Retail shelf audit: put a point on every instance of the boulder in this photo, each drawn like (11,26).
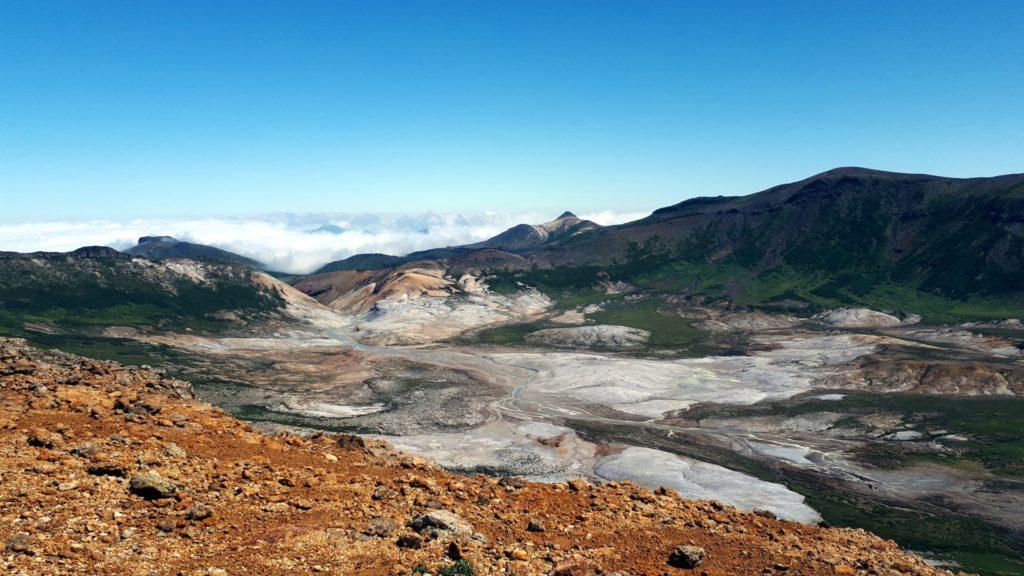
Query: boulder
(151,486)
(443,521)
(686,557)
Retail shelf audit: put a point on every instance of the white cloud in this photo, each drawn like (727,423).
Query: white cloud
(286,242)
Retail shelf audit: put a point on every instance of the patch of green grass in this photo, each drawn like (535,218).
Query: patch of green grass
(506,334)
(704,278)
(666,329)
(128,352)
(582,299)
(83,294)
(460,567)
(972,544)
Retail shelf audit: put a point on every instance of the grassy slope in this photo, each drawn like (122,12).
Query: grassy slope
(780,287)
(83,294)
(666,329)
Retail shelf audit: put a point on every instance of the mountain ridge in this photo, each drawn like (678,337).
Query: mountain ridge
(846,236)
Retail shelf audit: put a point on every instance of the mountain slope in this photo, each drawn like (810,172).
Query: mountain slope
(950,249)
(914,226)
(359,262)
(164,247)
(849,235)
(96,286)
(525,237)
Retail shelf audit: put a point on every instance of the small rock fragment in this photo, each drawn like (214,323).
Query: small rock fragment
(20,543)
(198,512)
(409,541)
(380,526)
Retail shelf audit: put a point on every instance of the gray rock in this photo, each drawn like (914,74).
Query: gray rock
(174,451)
(198,512)
(151,486)
(441,520)
(686,557)
(600,336)
(380,526)
(409,541)
(21,543)
(512,482)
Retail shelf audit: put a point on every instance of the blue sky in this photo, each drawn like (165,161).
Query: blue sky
(166,109)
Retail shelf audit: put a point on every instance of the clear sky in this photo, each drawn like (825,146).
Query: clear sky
(123,109)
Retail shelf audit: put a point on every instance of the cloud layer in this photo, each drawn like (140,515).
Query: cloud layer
(287,242)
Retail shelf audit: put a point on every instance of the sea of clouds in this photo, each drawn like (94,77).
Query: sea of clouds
(297,243)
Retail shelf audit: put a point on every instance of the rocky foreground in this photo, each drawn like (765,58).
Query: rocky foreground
(107,469)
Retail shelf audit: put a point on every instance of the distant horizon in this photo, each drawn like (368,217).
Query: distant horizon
(120,109)
(289,242)
(552,207)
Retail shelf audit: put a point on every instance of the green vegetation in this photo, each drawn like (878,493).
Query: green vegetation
(666,329)
(583,299)
(950,251)
(128,352)
(555,282)
(780,287)
(84,293)
(995,426)
(974,545)
(460,567)
(512,333)
(374,261)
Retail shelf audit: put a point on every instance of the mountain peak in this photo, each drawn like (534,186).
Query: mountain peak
(156,239)
(566,214)
(162,247)
(860,172)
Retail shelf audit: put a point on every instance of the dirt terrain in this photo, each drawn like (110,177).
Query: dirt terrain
(114,470)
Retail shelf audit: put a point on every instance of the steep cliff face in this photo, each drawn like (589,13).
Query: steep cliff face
(113,470)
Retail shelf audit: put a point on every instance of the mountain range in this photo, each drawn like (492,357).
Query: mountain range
(949,249)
